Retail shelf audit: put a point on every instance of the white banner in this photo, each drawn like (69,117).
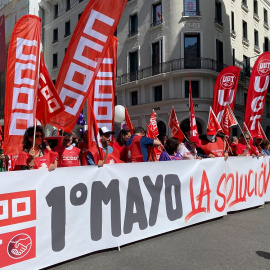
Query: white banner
(47,218)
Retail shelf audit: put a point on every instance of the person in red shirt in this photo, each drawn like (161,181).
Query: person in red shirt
(37,156)
(244,148)
(121,139)
(211,145)
(84,147)
(233,146)
(68,154)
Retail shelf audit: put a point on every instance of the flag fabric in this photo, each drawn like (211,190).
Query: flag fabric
(93,134)
(3,55)
(193,126)
(85,53)
(212,121)
(260,132)
(128,122)
(257,90)
(225,90)
(49,103)
(101,99)
(22,82)
(152,132)
(227,121)
(174,126)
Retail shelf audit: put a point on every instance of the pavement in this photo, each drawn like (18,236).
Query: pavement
(239,241)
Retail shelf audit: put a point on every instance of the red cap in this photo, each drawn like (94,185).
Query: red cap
(195,140)
(211,131)
(259,136)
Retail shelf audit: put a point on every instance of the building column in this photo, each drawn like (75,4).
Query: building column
(171,88)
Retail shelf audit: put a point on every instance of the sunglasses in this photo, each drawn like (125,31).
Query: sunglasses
(38,136)
(247,138)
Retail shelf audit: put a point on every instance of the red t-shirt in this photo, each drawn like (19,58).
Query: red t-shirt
(68,157)
(241,147)
(40,162)
(84,147)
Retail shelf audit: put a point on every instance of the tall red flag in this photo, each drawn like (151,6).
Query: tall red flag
(3,56)
(212,120)
(225,90)
(193,126)
(22,81)
(153,125)
(227,121)
(128,122)
(49,103)
(101,99)
(85,53)
(174,126)
(257,90)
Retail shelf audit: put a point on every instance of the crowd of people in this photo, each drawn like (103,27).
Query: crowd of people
(129,148)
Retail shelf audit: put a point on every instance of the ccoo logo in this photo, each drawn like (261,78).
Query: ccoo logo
(227,81)
(19,246)
(264,67)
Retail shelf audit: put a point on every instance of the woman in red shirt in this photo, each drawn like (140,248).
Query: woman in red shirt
(121,139)
(37,156)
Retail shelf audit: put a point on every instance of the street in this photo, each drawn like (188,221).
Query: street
(238,241)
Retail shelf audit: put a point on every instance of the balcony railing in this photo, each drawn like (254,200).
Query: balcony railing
(173,65)
(191,13)
(156,23)
(133,33)
(218,21)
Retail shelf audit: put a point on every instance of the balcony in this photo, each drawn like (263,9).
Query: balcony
(156,23)
(173,65)
(133,33)
(233,34)
(218,22)
(257,49)
(256,17)
(266,25)
(191,14)
(245,7)
(245,41)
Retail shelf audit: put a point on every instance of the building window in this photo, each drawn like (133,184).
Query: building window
(80,1)
(55,11)
(134,98)
(194,88)
(191,8)
(68,5)
(256,38)
(266,44)
(55,60)
(218,18)
(232,20)
(156,57)
(245,33)
(55,35)
(246,65)
(67,28)
(79,16)
(244,2)
(65,50)
(133,65)
(219,54)
(265,16)
(255,7)
(192,50)
(157,15)
(245,99)
(233,55)
(133,25)
(158,93)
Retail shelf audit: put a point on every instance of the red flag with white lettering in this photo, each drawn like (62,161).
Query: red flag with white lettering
(193,126)
(225,90)
(212,120)
(174,126)
(257,90)
(85,53)
(153,124)
(101,99)
(49,103)
(227,121)
(22,81)
(129,124)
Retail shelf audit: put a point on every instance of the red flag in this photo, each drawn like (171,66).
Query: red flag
(49,103)
(260,132)
(93,135)
(227,121)
(3,55)
(101,99)
(22,81)
(153,124)
(225,90)
(85,53)
(257,90)
(193,126)
(212,121)
(128,122)
(174,126)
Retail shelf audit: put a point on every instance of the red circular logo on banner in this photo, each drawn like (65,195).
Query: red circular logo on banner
(264,67)
(227,81)
(19,246)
